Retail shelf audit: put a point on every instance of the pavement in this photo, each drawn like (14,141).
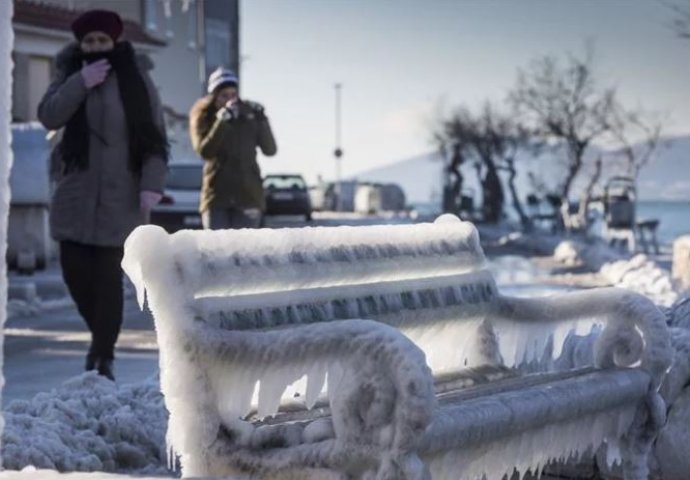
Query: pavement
(45,347)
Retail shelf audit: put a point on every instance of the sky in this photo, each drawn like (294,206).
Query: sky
(402,63)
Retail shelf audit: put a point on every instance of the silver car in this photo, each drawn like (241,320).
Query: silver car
(179,208)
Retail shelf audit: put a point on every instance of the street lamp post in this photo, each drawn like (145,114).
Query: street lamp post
(338,152)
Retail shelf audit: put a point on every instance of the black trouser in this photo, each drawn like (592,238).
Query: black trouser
(94,278)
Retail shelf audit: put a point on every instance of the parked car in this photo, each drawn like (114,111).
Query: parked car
(179,208)
(287,194)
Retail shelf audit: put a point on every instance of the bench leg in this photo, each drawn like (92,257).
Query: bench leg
(632,245)
(637,443)
(643,240)
(655,243)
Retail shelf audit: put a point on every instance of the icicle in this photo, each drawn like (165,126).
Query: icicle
(316,379)
(532,449)
(270,392)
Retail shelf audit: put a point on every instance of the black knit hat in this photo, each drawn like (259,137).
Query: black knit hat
(104,21)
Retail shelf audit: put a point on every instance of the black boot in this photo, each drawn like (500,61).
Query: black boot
(90,362)
(105,368)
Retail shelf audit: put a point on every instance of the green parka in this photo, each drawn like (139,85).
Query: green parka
(231,178)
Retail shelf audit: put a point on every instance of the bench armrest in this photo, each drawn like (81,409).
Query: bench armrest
(379,386)
(634,328)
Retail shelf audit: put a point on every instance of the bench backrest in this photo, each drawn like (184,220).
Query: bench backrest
(420,278)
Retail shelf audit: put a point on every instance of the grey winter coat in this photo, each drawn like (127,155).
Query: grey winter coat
(99,205)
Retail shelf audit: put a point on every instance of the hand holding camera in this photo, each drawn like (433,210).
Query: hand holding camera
(233,106)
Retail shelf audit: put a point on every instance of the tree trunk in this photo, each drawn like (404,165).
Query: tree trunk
(517,204)
(493,195)
(452,196)
(575,152)
(587,198)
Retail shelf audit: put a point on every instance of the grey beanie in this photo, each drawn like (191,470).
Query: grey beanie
(219,77)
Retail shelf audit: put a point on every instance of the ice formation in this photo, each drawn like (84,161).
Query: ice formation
(6,45)
(461,446)
(88,424)
(242,315)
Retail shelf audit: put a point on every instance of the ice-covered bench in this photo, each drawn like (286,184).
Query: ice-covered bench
(342,352)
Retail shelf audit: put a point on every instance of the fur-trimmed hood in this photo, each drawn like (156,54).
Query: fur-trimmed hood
(200,109)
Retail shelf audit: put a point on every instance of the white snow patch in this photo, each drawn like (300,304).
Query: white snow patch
(639,273)
(88,424)
(642,275)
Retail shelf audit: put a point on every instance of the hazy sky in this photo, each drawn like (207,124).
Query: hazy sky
(401,60)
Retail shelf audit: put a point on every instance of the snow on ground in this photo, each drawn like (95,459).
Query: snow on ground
(643,275)
(41,474)
(640,273)
(89,424)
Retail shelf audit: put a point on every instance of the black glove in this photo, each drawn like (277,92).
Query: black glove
(258,110)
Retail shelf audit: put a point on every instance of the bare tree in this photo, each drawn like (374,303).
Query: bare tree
(454,137)
(580,221)
(681,20)
(486,140)
(470,136)
(564,105)
(490,139)
(505,138)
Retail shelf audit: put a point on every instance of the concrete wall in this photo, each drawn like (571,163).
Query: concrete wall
(178,73)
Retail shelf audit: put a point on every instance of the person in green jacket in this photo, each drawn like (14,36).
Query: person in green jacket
(226,131)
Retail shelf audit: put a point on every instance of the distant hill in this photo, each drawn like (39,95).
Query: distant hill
(419,176)
(667,177)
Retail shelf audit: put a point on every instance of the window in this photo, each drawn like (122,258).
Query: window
(151,15)
(217,43)
(39,79)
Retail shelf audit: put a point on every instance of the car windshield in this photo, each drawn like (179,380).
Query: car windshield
(184,177)
(285,182)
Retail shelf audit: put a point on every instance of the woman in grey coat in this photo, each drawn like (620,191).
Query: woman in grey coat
(113,156)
